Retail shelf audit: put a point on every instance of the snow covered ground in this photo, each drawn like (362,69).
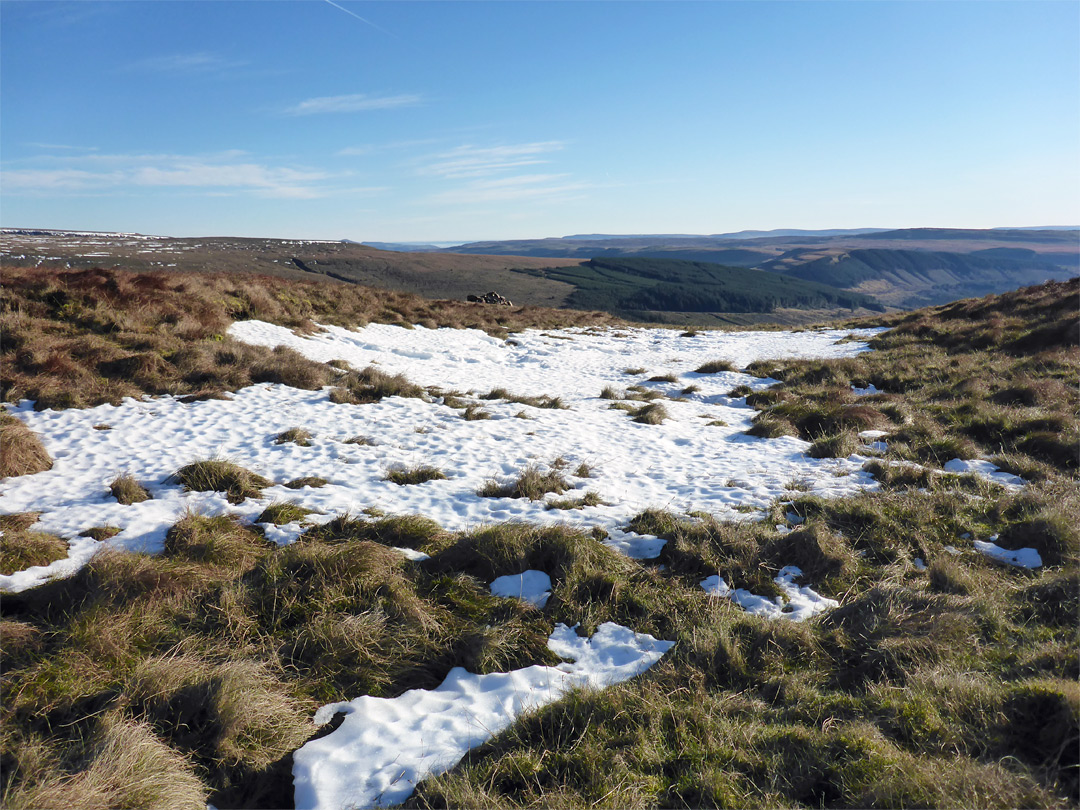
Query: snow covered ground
(690,462)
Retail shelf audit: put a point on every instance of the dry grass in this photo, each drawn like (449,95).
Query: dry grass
(127,490)
(415,475)
(218,475)
(652,414)
(531,483)
(21,452)
(21,549)
(84,337)
(993,376)
(297,435)
(715,367)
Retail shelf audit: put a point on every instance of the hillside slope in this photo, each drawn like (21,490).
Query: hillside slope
(644,285)
(920,277)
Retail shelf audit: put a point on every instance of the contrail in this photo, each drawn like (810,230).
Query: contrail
(361,19)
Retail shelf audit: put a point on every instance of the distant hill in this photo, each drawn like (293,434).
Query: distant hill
(995,234)
(909,277)
(636,287)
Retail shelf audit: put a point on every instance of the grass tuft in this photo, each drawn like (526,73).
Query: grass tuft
(715,367)
(21,452)
(296,435)
(415,475)
(127,490)
(531,483)
(217,475)
(652,414)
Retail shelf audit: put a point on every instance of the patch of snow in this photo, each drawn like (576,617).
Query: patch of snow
(798,603)
(1021,557)
(531,586)
(385,746)
(862,392)
(953,550)
(985,469)
(412,554)
(919,564)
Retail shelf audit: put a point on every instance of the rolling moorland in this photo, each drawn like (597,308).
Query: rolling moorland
(943,678)
(901,268)
(732,279)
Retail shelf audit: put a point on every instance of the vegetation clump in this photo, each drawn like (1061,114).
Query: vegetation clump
(127,490)
(371,385)
(21,452)
(715,367)
(415,475)
(531,483)
(218,475)
(297,435)
(545,401)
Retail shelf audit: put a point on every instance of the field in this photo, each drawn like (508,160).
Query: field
(253,526)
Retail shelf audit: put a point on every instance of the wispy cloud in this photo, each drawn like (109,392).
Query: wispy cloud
(372,148)
(357,102)
(186,63)
(221,172)
(61,147)
(518,187)
(476,161)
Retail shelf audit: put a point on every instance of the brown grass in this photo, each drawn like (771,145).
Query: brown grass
(21,452)
(127,490)
(20,550)
(78,338)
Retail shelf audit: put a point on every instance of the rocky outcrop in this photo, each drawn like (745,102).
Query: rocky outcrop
(491,298)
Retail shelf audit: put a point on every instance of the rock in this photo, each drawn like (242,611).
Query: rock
(491,298)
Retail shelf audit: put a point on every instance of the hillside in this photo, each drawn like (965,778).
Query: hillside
(882,263)
(268,543)
(920,277)
(433,275)
(640,286)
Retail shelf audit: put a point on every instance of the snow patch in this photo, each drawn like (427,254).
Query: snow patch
(385,746)
(531,586)
(798,603)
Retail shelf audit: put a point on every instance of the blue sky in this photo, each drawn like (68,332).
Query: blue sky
(495,120)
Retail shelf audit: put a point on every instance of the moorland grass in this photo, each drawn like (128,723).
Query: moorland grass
(992,376)
(914,690)
(219,475)
(531,483)
(188,677)
(21,452)
(127,490)
(297,435)
(79,338)
(418,474)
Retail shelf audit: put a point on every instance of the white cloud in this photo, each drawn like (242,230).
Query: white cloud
(223,171)
(519,187)
(474,161)
(357,102)
(199,62)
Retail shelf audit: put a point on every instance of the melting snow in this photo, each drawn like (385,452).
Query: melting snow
(798,603)
(385,746)
(530,586)
(682,465)
(1021,557)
